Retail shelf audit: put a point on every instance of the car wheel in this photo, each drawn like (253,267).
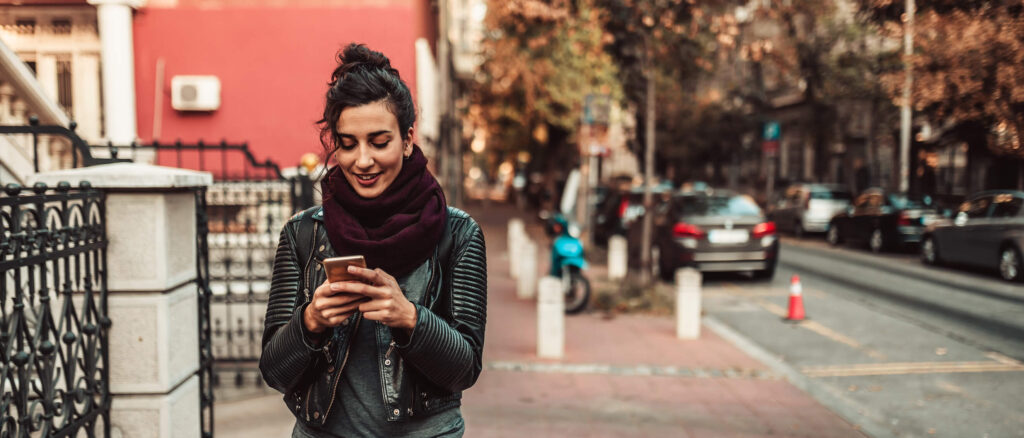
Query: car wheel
(798,230)
(1011,265)
(832,236)
(877,241)
(930,251)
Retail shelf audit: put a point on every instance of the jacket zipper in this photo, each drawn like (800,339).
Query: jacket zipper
(337,379)
(309,297)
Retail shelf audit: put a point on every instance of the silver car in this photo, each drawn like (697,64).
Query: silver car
(987,232)
(803,208)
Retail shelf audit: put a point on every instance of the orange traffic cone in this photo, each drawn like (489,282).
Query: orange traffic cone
(796,300)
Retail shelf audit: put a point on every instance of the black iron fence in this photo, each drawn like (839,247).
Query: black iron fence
(238,221)
(242,214)
(54,324)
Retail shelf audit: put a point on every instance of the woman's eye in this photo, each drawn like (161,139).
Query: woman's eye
(348,146)
(381,145)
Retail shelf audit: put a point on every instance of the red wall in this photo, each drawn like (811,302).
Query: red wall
(273,65)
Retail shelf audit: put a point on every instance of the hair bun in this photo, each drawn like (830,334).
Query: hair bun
(355,55)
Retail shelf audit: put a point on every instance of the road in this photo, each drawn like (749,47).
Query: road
(897,348)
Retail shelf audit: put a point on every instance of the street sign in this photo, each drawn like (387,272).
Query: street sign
(772,131)
(596,108)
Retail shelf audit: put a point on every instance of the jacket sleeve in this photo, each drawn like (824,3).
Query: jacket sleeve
(287,349)
(450,354)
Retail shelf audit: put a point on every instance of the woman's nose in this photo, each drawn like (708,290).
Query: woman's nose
(364,160)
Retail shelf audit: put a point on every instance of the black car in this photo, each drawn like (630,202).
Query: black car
(987,232)
(616,211)
(712,231)
(882,220)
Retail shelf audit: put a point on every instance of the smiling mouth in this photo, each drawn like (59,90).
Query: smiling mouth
(367,179)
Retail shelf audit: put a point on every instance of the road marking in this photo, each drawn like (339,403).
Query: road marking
(631,370)
(818,328)
(896,368)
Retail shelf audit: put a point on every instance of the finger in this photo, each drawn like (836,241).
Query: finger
(375,305)
(338,300)
(364,289)
(338,319)
(372,276)
(340,310)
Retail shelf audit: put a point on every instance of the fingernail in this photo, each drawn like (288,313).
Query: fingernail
(335,286)
(353,269)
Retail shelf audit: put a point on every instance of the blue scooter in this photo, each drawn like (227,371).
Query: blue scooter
(567,263)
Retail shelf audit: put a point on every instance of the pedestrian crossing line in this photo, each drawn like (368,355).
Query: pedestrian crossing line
(631,370)
(899,368)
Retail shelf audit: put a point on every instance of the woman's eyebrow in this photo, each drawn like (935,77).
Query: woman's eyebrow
(370,135)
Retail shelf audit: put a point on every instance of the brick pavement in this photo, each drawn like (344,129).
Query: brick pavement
(626,376)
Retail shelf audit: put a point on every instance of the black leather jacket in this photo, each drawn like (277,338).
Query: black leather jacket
(421,374)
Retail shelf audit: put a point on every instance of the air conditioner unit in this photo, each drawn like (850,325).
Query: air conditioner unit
(195,93)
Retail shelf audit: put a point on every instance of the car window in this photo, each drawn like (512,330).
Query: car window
(716,206)
(978,208)
(831,194)
(1006,205)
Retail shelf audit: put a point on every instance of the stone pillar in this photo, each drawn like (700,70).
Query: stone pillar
(550,319)
(516,236)
(526,281)
(152,295)
(118,65)
(617,258)
(688,285)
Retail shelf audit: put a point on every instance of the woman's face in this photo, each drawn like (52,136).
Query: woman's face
(371,148)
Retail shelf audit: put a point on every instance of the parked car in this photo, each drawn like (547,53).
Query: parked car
(804,208)
(987,232)
(882,220)
(617,210)
(712,231)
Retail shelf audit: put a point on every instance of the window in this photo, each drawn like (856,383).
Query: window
(64,84)
(61,26)
(25,26)
(1006,206)
(978,208)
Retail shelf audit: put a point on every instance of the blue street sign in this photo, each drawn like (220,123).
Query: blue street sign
(772,131)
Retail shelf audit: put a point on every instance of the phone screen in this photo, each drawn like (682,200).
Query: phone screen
(337,268)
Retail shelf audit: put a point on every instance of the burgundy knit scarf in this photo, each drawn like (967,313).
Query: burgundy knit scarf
(395,231)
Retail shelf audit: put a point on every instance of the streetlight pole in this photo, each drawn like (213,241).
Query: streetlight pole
(908,83)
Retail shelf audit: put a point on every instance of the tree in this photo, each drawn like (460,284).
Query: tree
(541,58)
(968,64)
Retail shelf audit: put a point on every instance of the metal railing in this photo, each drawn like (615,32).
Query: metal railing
(54,325)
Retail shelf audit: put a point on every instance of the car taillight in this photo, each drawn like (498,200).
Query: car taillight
(903,220)
(622,208)
(763,229)
(683,229)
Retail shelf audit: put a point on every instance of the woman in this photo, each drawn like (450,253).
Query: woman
(389,355)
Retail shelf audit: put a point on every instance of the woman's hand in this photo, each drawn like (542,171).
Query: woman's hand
(329,306)
(387,303)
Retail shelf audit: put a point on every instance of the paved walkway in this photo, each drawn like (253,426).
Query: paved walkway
(625,376)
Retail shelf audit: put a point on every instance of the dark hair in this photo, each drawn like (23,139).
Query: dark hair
(364,76)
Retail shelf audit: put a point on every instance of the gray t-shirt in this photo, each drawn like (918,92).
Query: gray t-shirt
(359,407)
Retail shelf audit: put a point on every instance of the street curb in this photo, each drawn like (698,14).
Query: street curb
(867,420)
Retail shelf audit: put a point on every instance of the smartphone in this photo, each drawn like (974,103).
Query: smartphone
(337,268)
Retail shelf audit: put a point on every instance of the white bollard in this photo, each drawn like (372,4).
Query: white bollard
(617,257)
(516,236)
(550,319)
(688,303)
(526,281)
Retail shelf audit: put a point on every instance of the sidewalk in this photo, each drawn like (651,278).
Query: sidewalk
(626,376)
